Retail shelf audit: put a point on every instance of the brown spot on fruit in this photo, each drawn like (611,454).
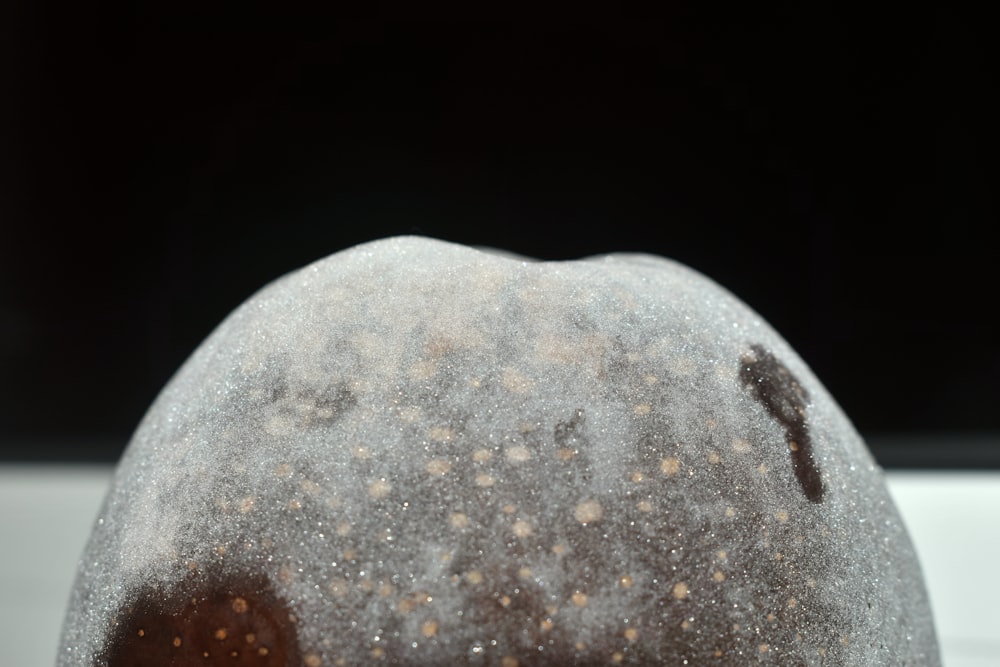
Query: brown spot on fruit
(205,620)
(429,629)
(670,466)
(588,511)
(681,590)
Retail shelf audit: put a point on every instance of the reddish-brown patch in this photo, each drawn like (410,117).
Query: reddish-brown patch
(206,621)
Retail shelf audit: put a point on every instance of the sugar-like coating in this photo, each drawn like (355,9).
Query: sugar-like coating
(416,453)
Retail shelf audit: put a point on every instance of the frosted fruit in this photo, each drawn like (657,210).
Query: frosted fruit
(417,453)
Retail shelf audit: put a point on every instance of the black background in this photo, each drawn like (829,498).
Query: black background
(832,169)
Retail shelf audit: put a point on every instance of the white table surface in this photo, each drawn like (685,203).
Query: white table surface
(46,512)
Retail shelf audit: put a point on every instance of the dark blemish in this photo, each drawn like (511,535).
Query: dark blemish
(570,435)
(207,620)
(565,432)
(279,391)
(650,449)
(334,402)
(311,407)
(774,387)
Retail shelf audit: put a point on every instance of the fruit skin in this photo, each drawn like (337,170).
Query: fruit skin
(413,452)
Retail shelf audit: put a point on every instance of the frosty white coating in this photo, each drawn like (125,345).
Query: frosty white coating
(417,453)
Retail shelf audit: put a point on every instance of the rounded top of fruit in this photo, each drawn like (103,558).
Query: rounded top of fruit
(416,453)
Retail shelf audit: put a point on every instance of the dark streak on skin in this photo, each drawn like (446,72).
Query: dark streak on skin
(774,387)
